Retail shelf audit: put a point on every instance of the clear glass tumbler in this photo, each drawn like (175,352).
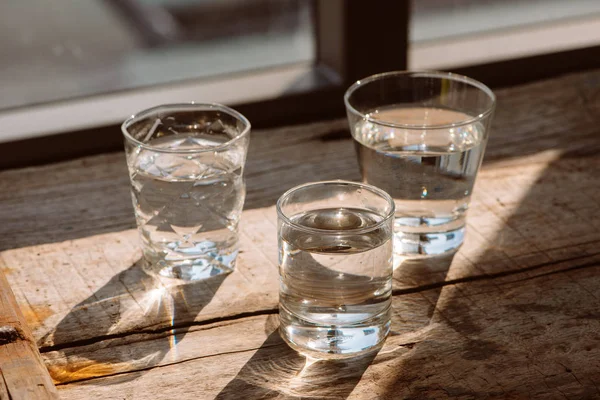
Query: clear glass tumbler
(335,257)
(186,164)
(420,136)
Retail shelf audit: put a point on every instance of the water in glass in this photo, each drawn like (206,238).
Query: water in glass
(429,172)
(335,290)
(188,205)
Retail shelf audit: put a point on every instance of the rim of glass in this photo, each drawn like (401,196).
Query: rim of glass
(370,188)
(419,74)
(191,106)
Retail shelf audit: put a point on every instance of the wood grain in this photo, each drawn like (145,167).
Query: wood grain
(92,288)
(500,255)
(23,374)
(460,341)
(513,315)
(68,200)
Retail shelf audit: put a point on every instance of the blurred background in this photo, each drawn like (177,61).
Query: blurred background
(80,67)
(65,49)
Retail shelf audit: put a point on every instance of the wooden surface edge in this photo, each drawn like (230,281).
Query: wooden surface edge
(22,371)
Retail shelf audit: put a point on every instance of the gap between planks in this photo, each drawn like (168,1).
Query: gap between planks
(591,262)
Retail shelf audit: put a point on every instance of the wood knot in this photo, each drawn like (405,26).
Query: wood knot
(10,334)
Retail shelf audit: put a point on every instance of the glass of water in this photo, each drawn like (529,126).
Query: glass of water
(186,164)
(420,136)
(335,266)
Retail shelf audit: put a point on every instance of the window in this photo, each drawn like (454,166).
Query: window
(62,52)
(92,63)
(85,48)
(76,68)
(459,33)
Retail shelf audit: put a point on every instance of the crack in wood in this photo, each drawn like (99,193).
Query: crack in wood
(395,292)
(4,392)
(96,339)
(561,271)
(264,346)
(539,176)
(475,278)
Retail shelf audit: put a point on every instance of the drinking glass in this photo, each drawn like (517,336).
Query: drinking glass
(186,164)
(335,266)
(420,136)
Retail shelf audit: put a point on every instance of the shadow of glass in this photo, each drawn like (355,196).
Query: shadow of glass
(493,338)
(277,371)
(417,286)
(132,302)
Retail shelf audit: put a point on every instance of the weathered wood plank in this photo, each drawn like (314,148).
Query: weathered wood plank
(68,200)
(95,287)
(535,338)
(498,251)
(23,374)
(147,350)
(92,287)
(515,315)
(413,312)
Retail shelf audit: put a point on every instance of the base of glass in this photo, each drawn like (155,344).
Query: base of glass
(333,342)
(424,244)
(194,269)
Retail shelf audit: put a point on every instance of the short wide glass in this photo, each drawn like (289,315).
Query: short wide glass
(186,164)
(420,136)
(335,257)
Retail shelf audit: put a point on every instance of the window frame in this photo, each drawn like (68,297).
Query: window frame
(362,38)
(354,30)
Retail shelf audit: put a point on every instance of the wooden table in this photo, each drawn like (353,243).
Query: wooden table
(515,314)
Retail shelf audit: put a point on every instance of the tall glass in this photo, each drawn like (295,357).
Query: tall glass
(421,136)
(186,164)
(335,253)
